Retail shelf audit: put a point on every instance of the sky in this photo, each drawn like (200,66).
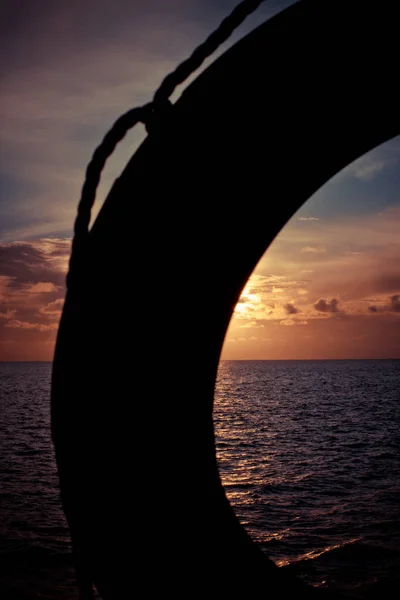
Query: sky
(328,287)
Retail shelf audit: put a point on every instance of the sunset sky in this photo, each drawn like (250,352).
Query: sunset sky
(329,286)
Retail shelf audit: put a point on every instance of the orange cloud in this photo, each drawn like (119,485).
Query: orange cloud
(15,324)
(42,287)
(53,308)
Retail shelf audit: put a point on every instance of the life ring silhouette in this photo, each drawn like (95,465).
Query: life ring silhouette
(246,144)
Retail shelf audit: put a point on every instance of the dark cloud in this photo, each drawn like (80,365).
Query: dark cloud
(395,303)
(393,306)
(327,307)
(26,263)
(290,309)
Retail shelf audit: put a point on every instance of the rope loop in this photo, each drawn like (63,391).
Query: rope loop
(149,114)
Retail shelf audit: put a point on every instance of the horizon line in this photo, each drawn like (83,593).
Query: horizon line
(243,360)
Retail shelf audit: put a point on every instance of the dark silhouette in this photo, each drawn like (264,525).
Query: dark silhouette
(156,280)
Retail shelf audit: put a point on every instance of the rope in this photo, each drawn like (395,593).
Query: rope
(218,37)
(144,114)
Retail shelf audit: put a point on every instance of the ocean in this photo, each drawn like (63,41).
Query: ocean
(309,454)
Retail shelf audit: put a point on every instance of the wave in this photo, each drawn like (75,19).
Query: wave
(353,553)
(314,554)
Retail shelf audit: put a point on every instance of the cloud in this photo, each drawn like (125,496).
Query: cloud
(372,164)
(351,269)
(392,306)
(53,308)
(290,309)
(42,288)
(15,324)
(252,325)
(395,303)
(327,307)
(313,250)
(367,169)
(35,263)
(359,269)
(8,315)
(287,322)
(32,276)
(308,219)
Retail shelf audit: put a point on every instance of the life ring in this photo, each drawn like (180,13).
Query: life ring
(246,144)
